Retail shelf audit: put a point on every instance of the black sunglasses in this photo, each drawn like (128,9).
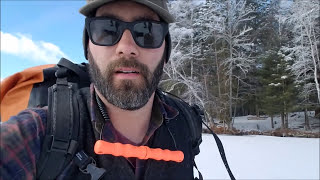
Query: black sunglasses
(104,31)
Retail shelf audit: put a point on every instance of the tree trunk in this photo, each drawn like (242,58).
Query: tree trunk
(285,113)
(242,110)
(235,106)
(191,97)
(206,86)
(272,124)
(317,113)
(313,46)
(230,93)
(191,76)
(218,69)
(286,120)
(306,119)
(282,120)
(257,111)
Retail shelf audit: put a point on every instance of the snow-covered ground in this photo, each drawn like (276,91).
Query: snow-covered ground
(260,157)
(296,121)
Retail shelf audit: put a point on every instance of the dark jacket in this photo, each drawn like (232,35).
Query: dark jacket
(118,167)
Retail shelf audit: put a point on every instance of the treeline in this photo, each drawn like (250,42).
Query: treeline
(241,57)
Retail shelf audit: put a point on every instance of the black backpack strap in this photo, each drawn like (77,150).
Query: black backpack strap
(194,121)
(218,141)
(199,173)
(73,67)
(221,151)
(60,143)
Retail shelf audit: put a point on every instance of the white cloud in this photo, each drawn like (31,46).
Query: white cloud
(23,46)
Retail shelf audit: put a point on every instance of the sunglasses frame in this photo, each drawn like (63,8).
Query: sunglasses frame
(123,26)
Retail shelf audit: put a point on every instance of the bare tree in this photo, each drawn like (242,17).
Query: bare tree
(182,55)
(236,34)
(303,50)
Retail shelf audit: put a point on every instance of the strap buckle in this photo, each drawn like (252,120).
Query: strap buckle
(87,165)
(62,146)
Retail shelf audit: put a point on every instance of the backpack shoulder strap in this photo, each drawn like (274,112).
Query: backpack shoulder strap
(83,75)
(221,151)
(194,119)
(62,131)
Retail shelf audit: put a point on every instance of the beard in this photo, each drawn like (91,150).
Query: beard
(125,94)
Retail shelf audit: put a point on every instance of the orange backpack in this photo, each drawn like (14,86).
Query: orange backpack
(29,88)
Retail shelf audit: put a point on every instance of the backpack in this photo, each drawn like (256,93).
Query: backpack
(29,88)
(48,85)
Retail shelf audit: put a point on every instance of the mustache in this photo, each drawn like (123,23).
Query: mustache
(129,63)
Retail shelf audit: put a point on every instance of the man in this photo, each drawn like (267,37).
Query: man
(127,44)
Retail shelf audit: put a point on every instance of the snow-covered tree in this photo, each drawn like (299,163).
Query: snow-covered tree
(208,25)
(236,34)
(218,47)
(211,46)
(303,50)
(179,72)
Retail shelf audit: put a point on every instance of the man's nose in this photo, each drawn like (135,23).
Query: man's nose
(127,47)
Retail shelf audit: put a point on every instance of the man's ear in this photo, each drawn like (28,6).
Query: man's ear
(85,42)
(165,54)
(168,47)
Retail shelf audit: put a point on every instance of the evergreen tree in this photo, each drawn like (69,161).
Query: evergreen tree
(278,91)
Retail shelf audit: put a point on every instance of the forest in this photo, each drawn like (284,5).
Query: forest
(245,57)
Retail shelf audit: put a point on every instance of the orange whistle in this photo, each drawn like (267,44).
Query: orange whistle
(140,152)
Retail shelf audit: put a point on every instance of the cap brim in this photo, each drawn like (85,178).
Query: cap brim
(92,6)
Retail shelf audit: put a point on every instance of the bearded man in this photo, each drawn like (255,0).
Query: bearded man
(127,44)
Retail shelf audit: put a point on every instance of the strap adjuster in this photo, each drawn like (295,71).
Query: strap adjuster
(62,146)
(58,145)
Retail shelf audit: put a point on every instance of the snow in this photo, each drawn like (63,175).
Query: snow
(273,84)
(263,157)
(260,157)
(278,84)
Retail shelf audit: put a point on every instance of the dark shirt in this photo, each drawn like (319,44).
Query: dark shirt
(22,136)
(110,134)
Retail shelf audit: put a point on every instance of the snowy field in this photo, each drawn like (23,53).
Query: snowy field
(260,157)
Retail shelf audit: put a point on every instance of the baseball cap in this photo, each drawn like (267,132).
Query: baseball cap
(158,6)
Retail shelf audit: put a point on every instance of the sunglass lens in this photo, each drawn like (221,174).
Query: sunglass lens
(105,32)
(148,34)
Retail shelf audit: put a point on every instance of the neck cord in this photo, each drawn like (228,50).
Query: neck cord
(102,108)
(103,112)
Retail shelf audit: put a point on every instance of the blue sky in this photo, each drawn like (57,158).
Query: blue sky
(39,32)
